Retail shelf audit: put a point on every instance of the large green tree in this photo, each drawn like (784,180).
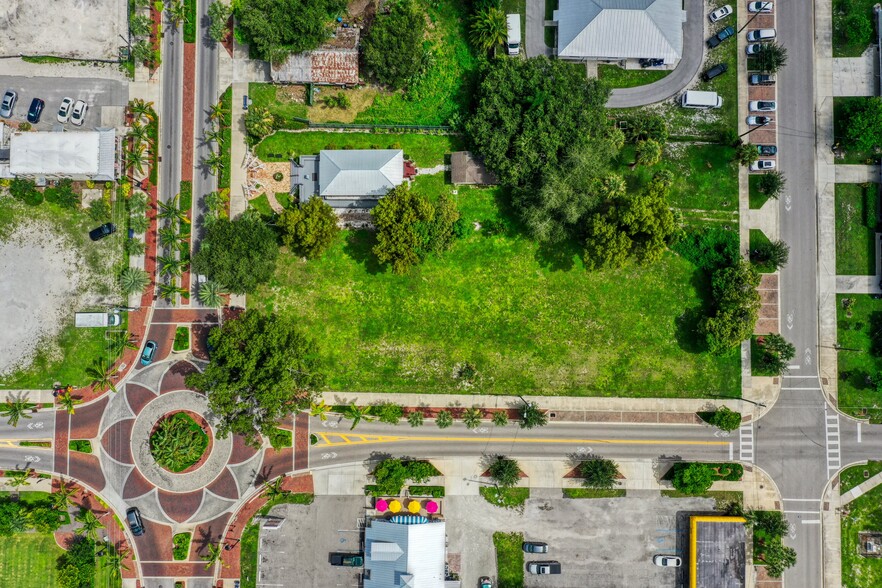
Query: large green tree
(737,304)
(692,478)
(237,254)
(863,131)
(262,368)
(393,47)
(599,473)
(310,228)
(530,113)
(277,28)
(505,472)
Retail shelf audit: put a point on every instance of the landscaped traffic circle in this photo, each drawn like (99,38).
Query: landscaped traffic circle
(179,441)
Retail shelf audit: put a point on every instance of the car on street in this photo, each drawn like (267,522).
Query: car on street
(767,149)
(762,164)
(133,518)
(714,72)
(760,6)
(64,109)
(148,353)
(35,110)
(761,79)
(720,13)
(8,103)
(349,560)
(78,114)
(762,106)
(759,120)
(542,568)
(667,561)
(720,37)
(761,35)
(535,547)
(484,582)
(104,230)
(655,62)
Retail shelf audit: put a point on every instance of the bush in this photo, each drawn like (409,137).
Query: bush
(388,412)
(280,438)
(858,28)
(599,473)
(81,445)
(25,191)
(391,475)
(181,546)
(505,472)
(709,248)
(393,48)
(63,194)
(415,418)
(725,419)
(692,478)
(443,419)
(433,491)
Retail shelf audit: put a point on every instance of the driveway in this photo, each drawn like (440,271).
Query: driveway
(535,33)
(97,93)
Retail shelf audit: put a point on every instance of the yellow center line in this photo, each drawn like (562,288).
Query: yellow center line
(328,440)
(15,443)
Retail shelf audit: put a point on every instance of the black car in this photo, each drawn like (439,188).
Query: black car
(133,518)
(102,231)
(715,71)
(35,110)
(720,37)
(767,149)
(651,62)
(761,79)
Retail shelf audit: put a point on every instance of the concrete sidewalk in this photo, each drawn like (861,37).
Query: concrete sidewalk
(32,396)
(856,76)
(831,536)
(858,285)
(535,34)
(856,174)
(238,150)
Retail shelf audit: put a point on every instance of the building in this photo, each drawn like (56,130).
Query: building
(717,552)
(333,63)
(409,553)
(78,155)
(349,178)
(615,30)
(467,169)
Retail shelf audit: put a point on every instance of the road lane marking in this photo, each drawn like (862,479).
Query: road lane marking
(789,388)
(801,499)
(812,522)
(800,512)
(859,433)
(355,439)
(731,451)
(745,442)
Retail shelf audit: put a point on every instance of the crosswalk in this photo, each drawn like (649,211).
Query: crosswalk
(745,442)
(831,430)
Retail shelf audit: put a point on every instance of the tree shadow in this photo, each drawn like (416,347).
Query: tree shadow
(687,326)
(359,247)
(558,257)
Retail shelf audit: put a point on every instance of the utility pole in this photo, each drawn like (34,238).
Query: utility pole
(753,17)
(752,129)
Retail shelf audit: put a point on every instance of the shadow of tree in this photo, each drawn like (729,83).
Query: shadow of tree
(359,246)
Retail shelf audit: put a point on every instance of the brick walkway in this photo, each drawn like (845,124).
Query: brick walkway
(187,136)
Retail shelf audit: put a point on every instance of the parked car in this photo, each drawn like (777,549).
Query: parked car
(64,109)
(35,110)
(720,13)
(535,547)
(667,561)
(8,103)
(754,48)
(133,518)
(350,560)
(759,120)
(767,149)
(760,6)
(715,71)
(762,106)
(148,353)
(656,62)
(762,164)
(543,567)
(720,37)
(104,230)
(78,115)
(761,35)
(761,79)
(484,582)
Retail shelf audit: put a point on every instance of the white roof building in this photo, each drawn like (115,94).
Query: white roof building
(405,555)
(79,155)
(620,29)
(349,178)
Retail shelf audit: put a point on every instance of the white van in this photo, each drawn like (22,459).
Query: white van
(514,33)
(761,35)
(695,99)
(96,319)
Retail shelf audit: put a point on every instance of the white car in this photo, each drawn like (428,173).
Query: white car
(760,6)
(762,164)
(762,106)
(761,35)
(78,114)
(64,109)
(667,561)
(759,121)
(754,48)
(720,13)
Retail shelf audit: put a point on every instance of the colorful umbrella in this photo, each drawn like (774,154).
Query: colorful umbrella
(395,506)
(414,507)
(431,507)
(382,505)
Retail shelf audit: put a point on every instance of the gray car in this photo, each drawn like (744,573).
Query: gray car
(8,103)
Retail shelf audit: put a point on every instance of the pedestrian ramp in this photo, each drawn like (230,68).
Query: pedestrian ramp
(831,430)
(745,443)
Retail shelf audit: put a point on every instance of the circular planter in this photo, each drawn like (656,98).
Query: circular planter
(206,430)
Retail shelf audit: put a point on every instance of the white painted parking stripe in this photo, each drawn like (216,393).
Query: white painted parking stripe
(800,512)
(859,432)
(812,522)
(789,388)
(801,499)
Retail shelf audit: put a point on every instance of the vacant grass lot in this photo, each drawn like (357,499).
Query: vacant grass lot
(279,102)
(509,559)
(840,124)
(27,560)
(865,514)
(616,77)
(857,363)
(757,198)
(424,150)
(842,47)
(856,229)
(758,239)
(532,321)
(854,476)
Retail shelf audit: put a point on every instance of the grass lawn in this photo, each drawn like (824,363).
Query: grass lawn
(616,77)
(248,556)
(530,320)
(756,356)
(757,198)
(443,92)
(424,150)
(27,560)
(505,497)
(857,363)
(191,21)
(593,493)
(842,47)
(103,577)
(261,204)
(509,559)
(854,476)
(840,124)
(856,229)
(181,546)
(223,178)
(279,102)
(758,239)
(284,198)
(865,515)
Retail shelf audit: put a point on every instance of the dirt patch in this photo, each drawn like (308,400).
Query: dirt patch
(291,94)
(359,98)
(362,12)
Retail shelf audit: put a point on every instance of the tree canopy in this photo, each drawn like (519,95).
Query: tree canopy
(310,228)
(393,47)
(693,478)
(237,254)
(505,472)
(262,367)
(737,306)
(863,129)
(277,28)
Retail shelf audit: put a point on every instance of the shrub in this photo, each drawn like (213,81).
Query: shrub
(388,412)
(433,491)
(178,442)
(81,445)
(99,210)
(443,419)
(280,438)
(181,546)
(415,418)
(24,190)
(599,473)
(505,472)
(692,478)
(391,475)
(726,419)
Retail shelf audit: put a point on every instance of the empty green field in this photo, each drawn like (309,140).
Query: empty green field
(856,229)
(27,560)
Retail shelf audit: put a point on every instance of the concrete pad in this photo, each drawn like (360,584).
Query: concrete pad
(856,174)
(856,76)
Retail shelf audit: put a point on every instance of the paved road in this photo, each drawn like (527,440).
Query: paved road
(40,426)
(96,93)
(171,113)
(683,74)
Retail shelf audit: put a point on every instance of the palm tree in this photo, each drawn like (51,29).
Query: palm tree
(171,266)
(137,157)
(68,402)
(102,375)
(320,409)
(274,490)
(141,109)
(169,237)
(18,478)
(15,408)
(116,561)
(121,341)
(61,498)
(472,417)
(168,291)
(215,551)
(358,414)
(133,280)
(176,13)
(138,132)
(171,210)
(489,29)
(18,521)
(90,523)
(214,162)
(216,111)
(213,134)
(210,294)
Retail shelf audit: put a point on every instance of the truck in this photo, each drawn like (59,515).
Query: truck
(513,43)
(543,567)
(352,560)
(695,99)
(97,319)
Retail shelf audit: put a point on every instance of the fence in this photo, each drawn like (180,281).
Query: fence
(373,127)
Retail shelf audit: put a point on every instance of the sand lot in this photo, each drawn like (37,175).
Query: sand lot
(82,29)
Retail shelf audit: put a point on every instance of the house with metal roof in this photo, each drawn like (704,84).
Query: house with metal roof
(615,30)
(349,178)
(407,554)
(78,155)
(335,62)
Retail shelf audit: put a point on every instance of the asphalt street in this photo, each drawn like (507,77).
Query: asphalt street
(40,427)
(95,92)
(171,113)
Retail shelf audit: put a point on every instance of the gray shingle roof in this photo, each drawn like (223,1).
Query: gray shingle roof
(359,172)
(620,29)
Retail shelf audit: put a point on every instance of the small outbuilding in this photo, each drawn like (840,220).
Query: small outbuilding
(467,169)
(334,63)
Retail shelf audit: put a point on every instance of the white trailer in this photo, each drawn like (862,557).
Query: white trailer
(97,319)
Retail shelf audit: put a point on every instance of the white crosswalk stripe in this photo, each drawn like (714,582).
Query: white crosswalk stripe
(831,428)
(745,442)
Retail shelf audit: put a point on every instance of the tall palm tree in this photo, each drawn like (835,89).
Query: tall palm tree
(138,132)
(121,341)
(489,29)
(214,162)
(358,414)
(132,280)
(18,477)
(116,561)
(136,157)
(215,551)
(214,135)
(168,291)
(177,12)
(90,523)
(16,408)
(171,266)
(169,237)
(102,375)
(172,210)
(61,498)
(273,490)
(216,111)
(140,108)
(68,402)
(320,409)
(210,294)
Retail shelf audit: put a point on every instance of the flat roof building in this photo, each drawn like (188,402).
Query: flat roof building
(78,155)
(717,552)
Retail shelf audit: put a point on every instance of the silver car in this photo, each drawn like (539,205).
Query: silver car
(64,109)
(760,6)
(8,103)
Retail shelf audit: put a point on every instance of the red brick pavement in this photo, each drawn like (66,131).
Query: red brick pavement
(84,424)
(185,315)
(199,339)
(180,507)
(225,485)
(210,532)
(136,485)
(174,377)
(241,450)
(117,441)
(301,441)
(176,569)
(276,463)
(87,468)
(60,444)
(164,335)
(138,397)
(156,542)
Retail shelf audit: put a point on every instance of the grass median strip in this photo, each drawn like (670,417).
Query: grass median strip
(509,559)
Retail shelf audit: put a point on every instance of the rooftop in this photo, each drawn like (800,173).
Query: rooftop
(405,555)
(75,154)
(333,63)
(717,552)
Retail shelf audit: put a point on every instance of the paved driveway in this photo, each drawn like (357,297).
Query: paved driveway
(96,92)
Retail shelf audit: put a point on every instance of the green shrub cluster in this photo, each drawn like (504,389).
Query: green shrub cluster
(181,546)
(17,516)
(391,475)
(433,491)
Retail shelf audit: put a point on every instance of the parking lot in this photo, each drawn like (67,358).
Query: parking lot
(106,99)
